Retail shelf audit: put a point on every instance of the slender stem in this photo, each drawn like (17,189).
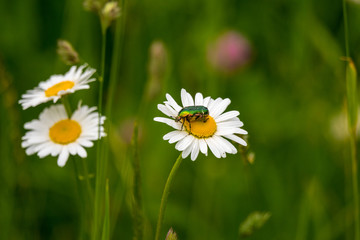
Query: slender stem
(137,205)
(87,179)
(100,163)
(355,184)
(165,196)
(346,29)
(352,140)
(82,200)
(65,102)
(86,201)
(118,47)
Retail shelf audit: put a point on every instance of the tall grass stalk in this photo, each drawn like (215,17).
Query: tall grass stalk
(165,196)
(355,185)
(84,188)
(137,204)
(82,200)
(100,161)
(113,78)
(118,41)
(67,106)
(351,89)
(106,226)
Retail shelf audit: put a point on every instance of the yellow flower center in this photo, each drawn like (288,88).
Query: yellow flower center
(65,131)
(201,129)
(53,90)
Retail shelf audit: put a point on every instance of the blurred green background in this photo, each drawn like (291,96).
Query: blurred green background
(290,96)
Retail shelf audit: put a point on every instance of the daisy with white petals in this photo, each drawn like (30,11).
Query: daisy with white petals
(56,135)
(76,78)
(197,135)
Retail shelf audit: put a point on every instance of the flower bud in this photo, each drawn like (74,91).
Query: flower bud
(171,235)
(230,52)
(67,52)
(109,13)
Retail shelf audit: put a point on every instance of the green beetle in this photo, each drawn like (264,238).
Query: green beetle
(192,113)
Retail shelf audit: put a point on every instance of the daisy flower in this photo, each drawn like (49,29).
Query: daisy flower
(76,78)
(196,135)
(57,135)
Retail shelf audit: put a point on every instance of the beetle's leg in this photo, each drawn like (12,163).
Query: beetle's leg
(187,118)
(182,125)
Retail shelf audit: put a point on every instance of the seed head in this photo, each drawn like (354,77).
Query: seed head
(109,13)
(67,52)
(171,235)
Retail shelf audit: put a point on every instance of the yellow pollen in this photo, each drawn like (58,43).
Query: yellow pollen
(53,90)
(200,129)
(65,131)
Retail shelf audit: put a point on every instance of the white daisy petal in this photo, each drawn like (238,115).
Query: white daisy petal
(171,134)
(72,148)
(220,108)
(195,150)
(173,103)
(70,82)
(213,147)
(168,121)
(203,146)
(227,116)
(230,124)
(165,110)
(85,142)
(186,98)
(206,101)
(182,144)
(199,100)
(191,138)
(44,152)
(227,131)
(236,139)
(186,152)
(225,144)
(56,135)
(172,111)
(63,157)
(56,150)
(213,105)
(179,135)
(81,151)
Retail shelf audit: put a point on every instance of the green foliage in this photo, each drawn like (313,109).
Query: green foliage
(288,95)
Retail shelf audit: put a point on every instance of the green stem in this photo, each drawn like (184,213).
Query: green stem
(118,42)
(137,205)
(87,179)
(65,102)
(82,200)
(165,196)
(100,163)
(355,184)
(352,139)
(346,29)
